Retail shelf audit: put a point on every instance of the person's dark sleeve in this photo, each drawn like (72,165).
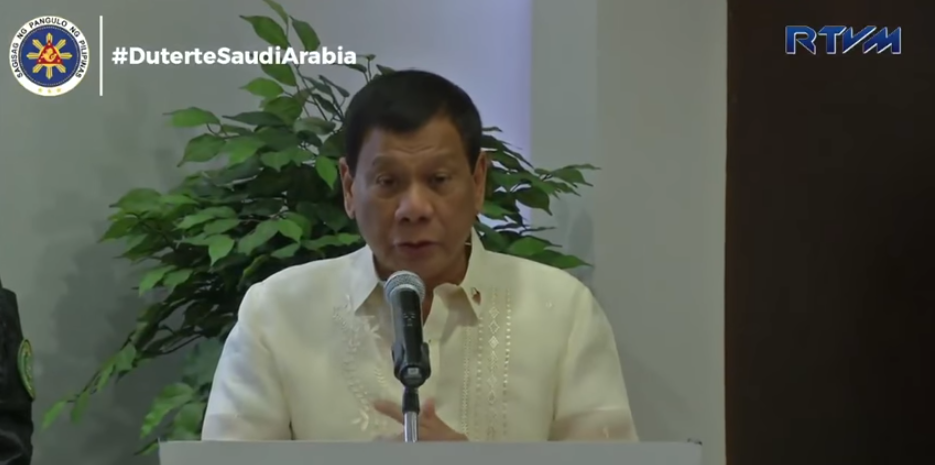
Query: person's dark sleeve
(16,424)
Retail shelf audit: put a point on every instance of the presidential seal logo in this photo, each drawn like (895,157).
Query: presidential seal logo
(24,364)
(49,56)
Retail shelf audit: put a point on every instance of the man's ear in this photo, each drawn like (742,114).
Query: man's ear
(480,181)
(347,185)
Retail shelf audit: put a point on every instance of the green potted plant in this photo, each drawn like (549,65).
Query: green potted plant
(275,202)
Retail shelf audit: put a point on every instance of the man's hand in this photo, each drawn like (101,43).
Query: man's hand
(431,428)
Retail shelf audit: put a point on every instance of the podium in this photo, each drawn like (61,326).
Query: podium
(427,453)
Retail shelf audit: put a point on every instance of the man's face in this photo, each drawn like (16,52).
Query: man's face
(415,199)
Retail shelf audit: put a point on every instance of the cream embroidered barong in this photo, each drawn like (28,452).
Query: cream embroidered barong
(519,351)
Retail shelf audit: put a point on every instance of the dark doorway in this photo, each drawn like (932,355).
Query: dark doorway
(830,305)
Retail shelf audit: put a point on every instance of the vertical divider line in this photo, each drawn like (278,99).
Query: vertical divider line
(100,61)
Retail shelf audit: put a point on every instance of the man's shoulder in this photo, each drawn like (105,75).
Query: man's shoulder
(542,294)
(317,282)
(318,275)
(297,303)
(534,276)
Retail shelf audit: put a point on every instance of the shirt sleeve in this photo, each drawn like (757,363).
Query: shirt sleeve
(591,399)
(246,401)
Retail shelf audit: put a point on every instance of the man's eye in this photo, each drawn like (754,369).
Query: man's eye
(441,179)
(384,181)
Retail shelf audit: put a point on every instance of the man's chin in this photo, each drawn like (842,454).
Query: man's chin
(427,268)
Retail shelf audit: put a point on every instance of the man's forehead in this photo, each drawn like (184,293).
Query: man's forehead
(433,133)
(412,151)
(427,157)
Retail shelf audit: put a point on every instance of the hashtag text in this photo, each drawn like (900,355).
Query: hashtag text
(227,56)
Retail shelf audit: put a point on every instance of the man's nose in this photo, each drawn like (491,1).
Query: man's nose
(415,205)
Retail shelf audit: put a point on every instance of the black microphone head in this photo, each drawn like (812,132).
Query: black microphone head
(403,280)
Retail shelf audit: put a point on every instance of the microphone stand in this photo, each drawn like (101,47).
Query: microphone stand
(412,372)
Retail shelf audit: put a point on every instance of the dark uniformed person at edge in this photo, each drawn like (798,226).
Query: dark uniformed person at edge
(16,385)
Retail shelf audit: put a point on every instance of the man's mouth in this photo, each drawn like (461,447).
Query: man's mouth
(415,249)
(416,245)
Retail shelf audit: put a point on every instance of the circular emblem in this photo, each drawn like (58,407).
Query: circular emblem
(24,363)
(49,56)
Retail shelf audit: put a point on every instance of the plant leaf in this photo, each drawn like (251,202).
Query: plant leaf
(281,73)
(303,221)
(344,93)
(124,359)
(264,87)
(277,160)
(139,200)
(258,237)
(171,398)
(149,448)
(534,198)
(221,226)
(307,35)
(120,228)
(527,247)
(299,155)
(327,169)
(334,240)
(570,175)
(357,67)
(335,218)
(219,247)
(177,277)
(286,252)
(187,422)
(278,138)
(241,148)
(195,219)
(153,277)
(257,118)
(229,129)
(177,199)
(583,167)
(286,108)
(326,105)
(81,404)
(269,30)
(53,413)
(494,211)
(105,374)
(333,148)
(202,148)
(290,229)
(314,125)
(254,266)
(279,10)
(201,363)
(192,117)
(559,260)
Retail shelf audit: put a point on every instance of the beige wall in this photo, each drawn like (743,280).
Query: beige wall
(640,89)
(598,81)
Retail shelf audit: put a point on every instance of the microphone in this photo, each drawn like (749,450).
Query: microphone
(405,292)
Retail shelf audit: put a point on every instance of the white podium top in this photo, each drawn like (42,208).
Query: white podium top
(427,453)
